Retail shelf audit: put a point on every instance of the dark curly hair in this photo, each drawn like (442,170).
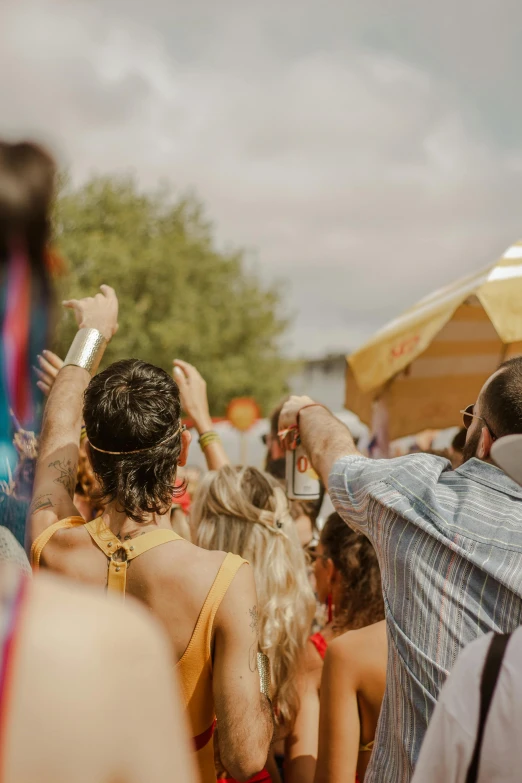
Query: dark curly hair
(134,405)
(355,559)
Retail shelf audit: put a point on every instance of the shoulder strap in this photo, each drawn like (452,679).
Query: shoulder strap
(490,674)
(320,643)
(227,571)
(137,546)
(202,634)
(48,533)
(119,553)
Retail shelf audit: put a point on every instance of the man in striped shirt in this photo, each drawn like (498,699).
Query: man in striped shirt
(449,545)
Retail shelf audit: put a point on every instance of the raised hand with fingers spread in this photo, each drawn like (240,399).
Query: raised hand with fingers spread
(193,393)
(50,366)
(194,401)
(97,312)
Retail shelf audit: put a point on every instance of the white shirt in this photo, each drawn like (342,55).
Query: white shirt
(449,743)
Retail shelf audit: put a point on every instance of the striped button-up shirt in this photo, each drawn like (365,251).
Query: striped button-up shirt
(449,545)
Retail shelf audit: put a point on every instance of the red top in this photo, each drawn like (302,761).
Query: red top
(320,643)
(261,777)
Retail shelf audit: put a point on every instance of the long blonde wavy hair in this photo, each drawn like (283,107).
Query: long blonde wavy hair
(246,512)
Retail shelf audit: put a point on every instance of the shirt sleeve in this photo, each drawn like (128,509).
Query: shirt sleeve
(350,485)
(448,746)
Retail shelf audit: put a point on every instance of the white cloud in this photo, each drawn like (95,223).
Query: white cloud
(360,174)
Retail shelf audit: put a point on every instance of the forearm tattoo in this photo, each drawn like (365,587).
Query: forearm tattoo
(67,477)
(41,503)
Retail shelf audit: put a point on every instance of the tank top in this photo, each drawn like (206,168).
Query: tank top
(195,666)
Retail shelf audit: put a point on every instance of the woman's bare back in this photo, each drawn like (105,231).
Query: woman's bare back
(352,690)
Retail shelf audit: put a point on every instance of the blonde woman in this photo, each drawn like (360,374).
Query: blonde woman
(246,512)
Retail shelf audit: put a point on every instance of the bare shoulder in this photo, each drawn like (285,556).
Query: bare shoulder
(356,651)
(65,539)
(239,604)
(190,560)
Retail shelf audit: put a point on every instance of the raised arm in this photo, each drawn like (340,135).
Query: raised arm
(324,437)
(194,401)
(244,715)
(57,463)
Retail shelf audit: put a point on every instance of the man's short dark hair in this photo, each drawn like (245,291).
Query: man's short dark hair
(133,405)
(502,402)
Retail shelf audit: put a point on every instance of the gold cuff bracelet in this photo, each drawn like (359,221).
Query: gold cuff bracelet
(86,350)
(263,667)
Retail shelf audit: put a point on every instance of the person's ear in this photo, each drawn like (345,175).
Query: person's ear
(331,571)
(485,444)
(186,439)
(276,450)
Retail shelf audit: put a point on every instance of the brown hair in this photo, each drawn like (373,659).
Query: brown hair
(355,559)
(133,409)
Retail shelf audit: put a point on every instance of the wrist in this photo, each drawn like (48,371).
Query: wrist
(106,331)
(86,349)
(203,423)
(305,410)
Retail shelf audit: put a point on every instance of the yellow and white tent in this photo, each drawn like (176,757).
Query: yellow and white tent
(432,361)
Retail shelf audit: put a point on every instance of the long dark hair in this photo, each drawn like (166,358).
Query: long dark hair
(354,557)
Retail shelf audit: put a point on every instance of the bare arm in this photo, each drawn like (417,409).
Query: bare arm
(244,715)
(339,724)
(301,745)
(194,401)
(57,464)
(324,437)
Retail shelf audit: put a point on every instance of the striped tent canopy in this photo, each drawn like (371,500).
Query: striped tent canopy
(432,361)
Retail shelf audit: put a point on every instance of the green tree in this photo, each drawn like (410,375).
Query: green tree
(179,296)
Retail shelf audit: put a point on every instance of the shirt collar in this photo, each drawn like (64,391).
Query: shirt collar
(490,476)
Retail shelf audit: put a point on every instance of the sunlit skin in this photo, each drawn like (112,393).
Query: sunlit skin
(301,747)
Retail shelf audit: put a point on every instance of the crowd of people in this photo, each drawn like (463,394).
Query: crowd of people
(252,645)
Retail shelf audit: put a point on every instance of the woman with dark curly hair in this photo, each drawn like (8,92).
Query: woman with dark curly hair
(348,581)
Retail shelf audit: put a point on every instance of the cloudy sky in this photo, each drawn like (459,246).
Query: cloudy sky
(362,152)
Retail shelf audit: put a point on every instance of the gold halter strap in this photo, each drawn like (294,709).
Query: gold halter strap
(120,553)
